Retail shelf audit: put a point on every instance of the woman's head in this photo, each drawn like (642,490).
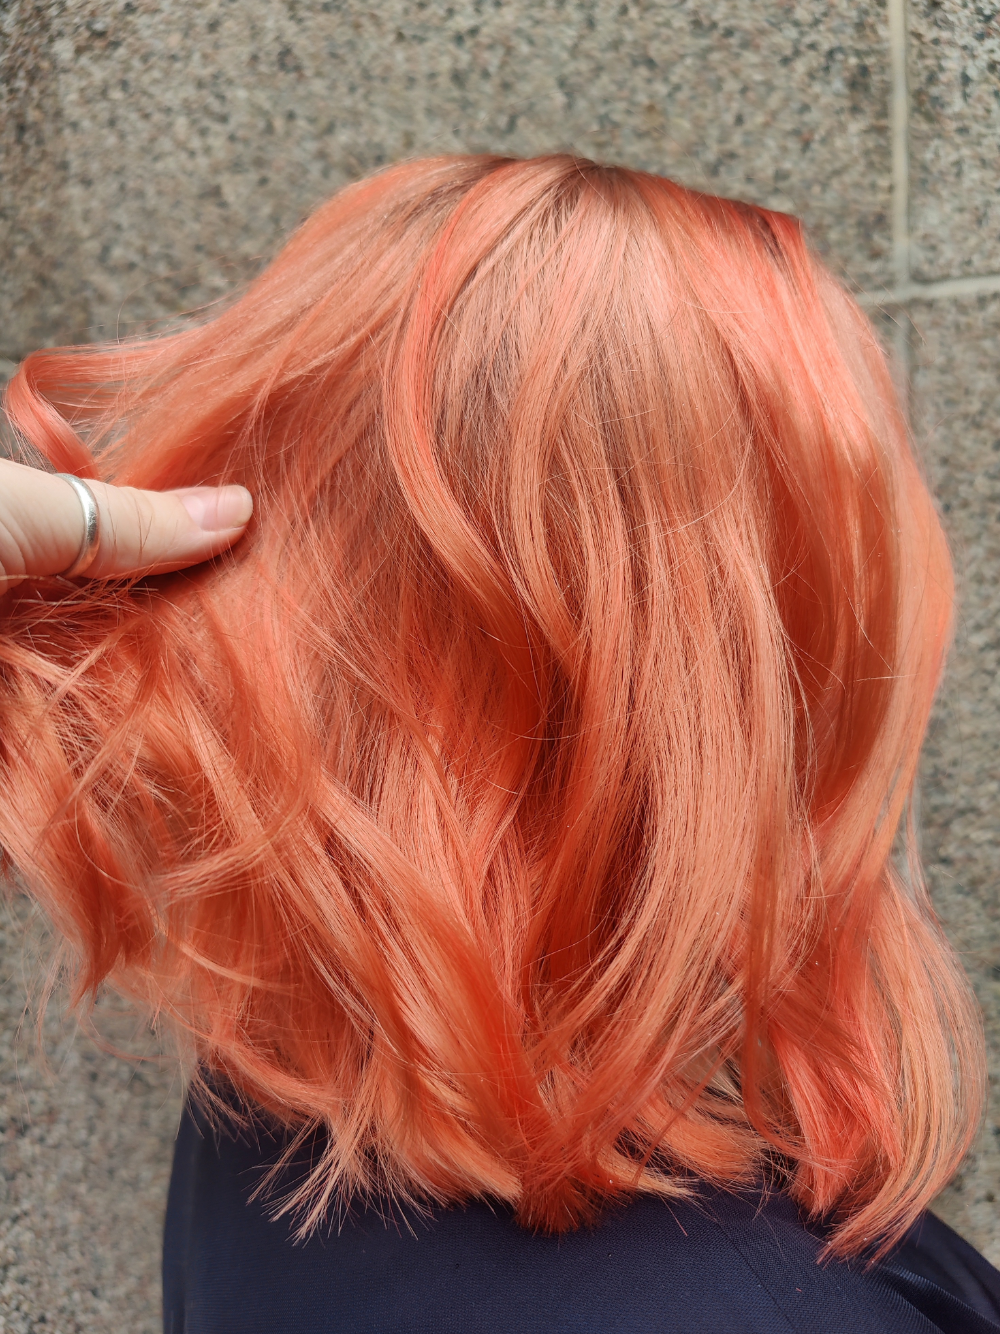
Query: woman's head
(519,797)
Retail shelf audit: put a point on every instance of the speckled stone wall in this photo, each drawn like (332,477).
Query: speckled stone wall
(154,152)
(956,406)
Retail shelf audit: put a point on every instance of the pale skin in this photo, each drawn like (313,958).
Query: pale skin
(142,532)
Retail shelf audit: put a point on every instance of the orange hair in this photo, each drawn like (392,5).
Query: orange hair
(518,798)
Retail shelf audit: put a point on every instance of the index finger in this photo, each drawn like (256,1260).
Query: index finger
(153,532)
(43,525)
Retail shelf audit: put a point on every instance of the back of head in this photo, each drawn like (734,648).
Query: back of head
(518,798)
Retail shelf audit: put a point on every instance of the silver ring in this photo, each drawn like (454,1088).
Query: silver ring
(91,526)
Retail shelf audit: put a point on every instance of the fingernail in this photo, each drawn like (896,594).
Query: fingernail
(214,508)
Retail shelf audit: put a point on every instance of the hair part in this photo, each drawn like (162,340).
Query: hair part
(517,799)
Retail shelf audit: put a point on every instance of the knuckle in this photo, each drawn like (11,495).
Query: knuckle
(143,512)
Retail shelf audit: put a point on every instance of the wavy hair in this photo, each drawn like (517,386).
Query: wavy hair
(517,800)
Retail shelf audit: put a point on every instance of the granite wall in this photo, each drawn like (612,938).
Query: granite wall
(153,153)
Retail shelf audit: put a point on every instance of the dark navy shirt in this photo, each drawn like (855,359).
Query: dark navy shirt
(721,1263)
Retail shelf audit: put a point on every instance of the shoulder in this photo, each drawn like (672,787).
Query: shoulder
(740,1263)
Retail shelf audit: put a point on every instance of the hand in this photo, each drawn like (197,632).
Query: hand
(142,532)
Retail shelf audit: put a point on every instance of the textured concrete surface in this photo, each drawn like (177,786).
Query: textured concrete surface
(152,155)
(84,1157)
(956,406)
(955,137)
(155,151)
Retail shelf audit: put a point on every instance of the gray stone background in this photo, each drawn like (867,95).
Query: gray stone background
(154,152)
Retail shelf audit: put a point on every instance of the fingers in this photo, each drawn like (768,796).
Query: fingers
(41,523)
(152,532)
(141,532)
